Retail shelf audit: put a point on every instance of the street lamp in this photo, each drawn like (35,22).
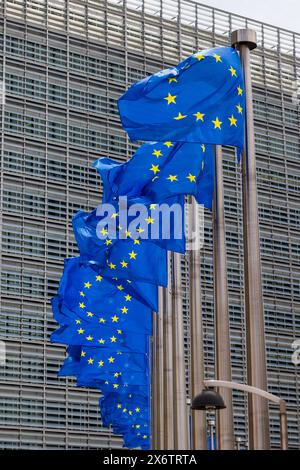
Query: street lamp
(261,393)
(209,400)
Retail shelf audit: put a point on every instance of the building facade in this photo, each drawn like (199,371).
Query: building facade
(64,63)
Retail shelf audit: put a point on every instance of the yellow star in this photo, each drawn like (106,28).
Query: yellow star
(89,314)
(171,98)
(218,58)
(119,332)
(136,241)
(98,278)
(108,242)
(130,413)
(120,287)
(102,320)
(199,116)
(140,230)
(203,147)
(100,363)
(217,123)
(124,264)
(145,436)
(199,56)
(240,91)
(132,255)
(119,405)
(112,265)
(172,178)
(240,109)
(89,338)
(168,144)
(80,331)
(116,385)
(101,341)
(172,79)
(87,285)
(106,382)
(111,359)
(82,305)
(232,120)
(82,353)
(157,153)
(104,231)
(116,374)
(155,169)
(90,360)
(149,220)
(114,215)
(115,319)
(180,116)
(124,310)
(128,298)
(127,233)
(137,410)
(113,339)
(152,207)
(192,178)
(77,322)
(233,71)
(81,294)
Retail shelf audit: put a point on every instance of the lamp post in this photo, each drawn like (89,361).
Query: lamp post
(209,400)
(262,394)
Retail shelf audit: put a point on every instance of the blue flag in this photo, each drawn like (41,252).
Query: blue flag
(90,297)
(133,218)
(159,171)
(202,100)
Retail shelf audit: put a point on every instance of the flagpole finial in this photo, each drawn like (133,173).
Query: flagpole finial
(244,36)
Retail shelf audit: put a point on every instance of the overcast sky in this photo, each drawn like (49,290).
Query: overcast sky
(283,13)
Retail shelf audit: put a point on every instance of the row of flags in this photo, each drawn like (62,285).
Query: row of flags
(107,294)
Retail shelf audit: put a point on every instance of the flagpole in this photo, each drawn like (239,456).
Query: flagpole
(154,388)
(198,424)
(258,418)
(224,422)
(180,397)
(160,371)
(168,414)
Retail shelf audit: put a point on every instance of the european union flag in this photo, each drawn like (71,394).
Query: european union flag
(145,262)
(91,297)
(159,171)
(98,230)
(202,100)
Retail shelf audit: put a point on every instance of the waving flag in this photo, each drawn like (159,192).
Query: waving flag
(93,298)
(96,233)
(200,100)
(159,171)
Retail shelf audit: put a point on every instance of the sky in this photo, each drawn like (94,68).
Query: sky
(282,13)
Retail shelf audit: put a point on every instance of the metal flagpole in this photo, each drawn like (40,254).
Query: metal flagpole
(224,422)
(180,398)
(160,372)
(154,388)
(245,40)
(197,357)
(168,414)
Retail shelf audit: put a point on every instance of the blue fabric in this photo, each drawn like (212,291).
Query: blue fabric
(188,102)
(158,172)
